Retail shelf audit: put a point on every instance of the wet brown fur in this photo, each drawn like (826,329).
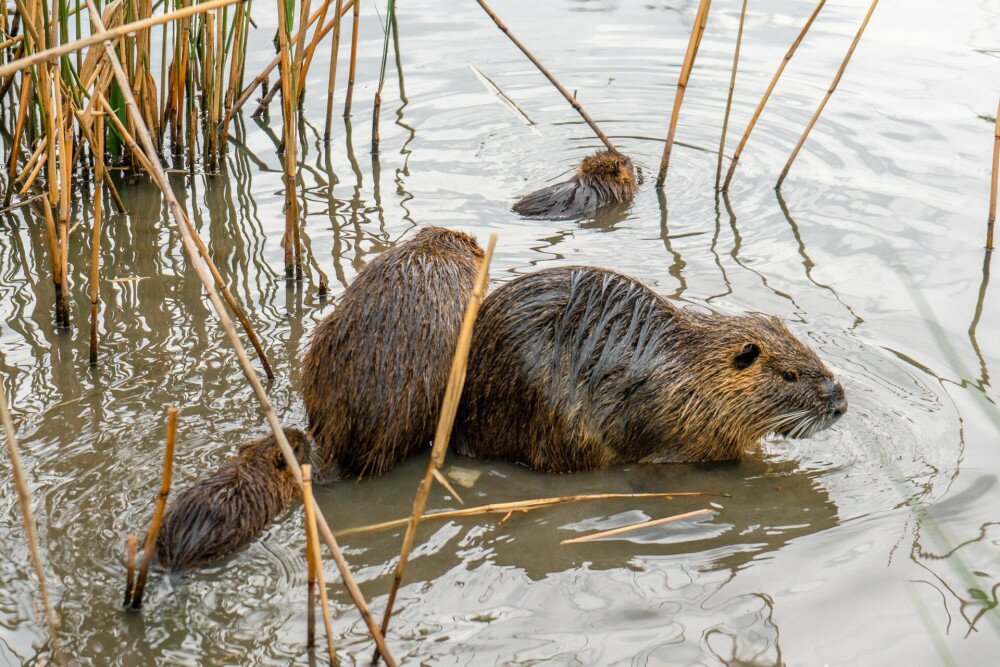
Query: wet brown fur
(581,368)
(224,512)
(376,369)
(603,179)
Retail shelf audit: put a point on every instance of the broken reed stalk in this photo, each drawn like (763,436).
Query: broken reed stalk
(635,526)
(131,551)
(293,256)
(95,251)
(992,216)
(332,82)
(729,98)
(390,13)
(159,177)
(113,33)
(548,75)
(767,94)
(315,558)
(149,546)
(517,506)
(449,407)
(694,41)
(354,60)
(24,497)
(829,93)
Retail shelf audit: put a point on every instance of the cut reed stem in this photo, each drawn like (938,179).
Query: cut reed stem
(354,60)
(95,251)
(548,75)
(24,498)
(149,547)
(635,526)
(317,563)
(767,94)
(131,551)
(829,93)
(694,41)
(992,216)
(729,97)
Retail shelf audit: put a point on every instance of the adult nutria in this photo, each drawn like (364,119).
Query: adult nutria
(603,179)
(580,368)
(224,512)
(376,368)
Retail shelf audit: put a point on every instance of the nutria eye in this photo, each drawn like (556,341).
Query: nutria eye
(746,356)
(790,376)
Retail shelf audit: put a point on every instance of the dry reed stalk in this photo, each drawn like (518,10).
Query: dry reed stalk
(354,60)
(548,75)
(332,81)
(24,497)
(30,163)
(516,506)
(131,551)
(697,30)
(313,43)
(390,19)
(729,98)
(317,562)
(311,585)
(829,93)
(95,252)
(160,178)
(767,94)
(56,238)
(293,257)
(42,161)
(449,407)
(113,33)
(992,216)
(635,526)
(15,142)
(149,547)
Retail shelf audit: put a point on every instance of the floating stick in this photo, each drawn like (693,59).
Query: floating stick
(548,75)
(729,99)
(635,526)
(24,497)
(767,94)
(697,30)
(149,547)
(317,564)
(829,93)
(449,407)
(991,219)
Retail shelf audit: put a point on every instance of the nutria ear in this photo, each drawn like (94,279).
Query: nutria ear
(747,356)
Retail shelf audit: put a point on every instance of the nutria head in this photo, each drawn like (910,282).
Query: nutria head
(265,452)
(443,241)
(614,171)
(766,380)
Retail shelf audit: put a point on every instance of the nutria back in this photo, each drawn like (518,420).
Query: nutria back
(603,179)
(224,512)
(376,368)
(580,368)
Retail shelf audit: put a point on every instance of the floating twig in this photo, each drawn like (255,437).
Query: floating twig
(697,30)
(829,93)
(315,558)
(635,526)
(729,98)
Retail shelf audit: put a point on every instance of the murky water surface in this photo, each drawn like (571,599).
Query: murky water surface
(877,542)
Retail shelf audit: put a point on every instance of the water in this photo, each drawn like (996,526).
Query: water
(876,542)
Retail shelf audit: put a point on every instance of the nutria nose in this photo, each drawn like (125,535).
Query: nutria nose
(838,400)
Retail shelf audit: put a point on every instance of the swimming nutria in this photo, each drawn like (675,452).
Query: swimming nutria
(376,368)
(606,178)
(580,368)
(222,513)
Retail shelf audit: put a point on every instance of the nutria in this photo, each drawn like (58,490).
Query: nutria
(604,179)
(376,368)
(224,512)
(580,368)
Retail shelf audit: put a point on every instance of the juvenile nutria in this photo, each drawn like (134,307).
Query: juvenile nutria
(606,178)
(222,513)
(376,368)
(580,368)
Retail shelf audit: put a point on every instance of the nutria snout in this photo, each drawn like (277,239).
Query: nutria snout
(376,368)
(224,512)
(603,179)
(580,368)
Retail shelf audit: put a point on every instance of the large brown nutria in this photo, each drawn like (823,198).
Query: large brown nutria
(376,368)
(604,179)
(580,368)
(222,513)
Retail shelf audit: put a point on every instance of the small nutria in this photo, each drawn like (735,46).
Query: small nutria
(226,511)
(376,368)
(581,368)
(603,179)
